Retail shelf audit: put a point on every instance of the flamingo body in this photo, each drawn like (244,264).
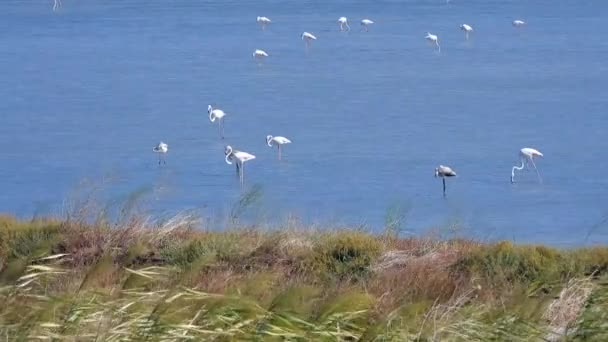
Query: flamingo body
(433,39)
(467,30)
(526,157)
(443,172)
(259,54)
(162,149)
(217,114)
(518,23)
(365,23)
(343,21)
(278,141)
(263,21)
(240,158)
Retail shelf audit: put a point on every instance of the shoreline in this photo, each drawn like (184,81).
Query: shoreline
(167,280)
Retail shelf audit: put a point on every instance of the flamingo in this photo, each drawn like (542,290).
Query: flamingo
(365,23)
(56,5)
(279,141)
(259,55)
(263,21)
(526,156)
(467,29)
(518,23)
(219,115)
(343,24)
(240,157)
(308,37)
(444,171)
(433,39)
(161,149)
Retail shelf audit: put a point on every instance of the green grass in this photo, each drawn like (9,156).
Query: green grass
(168,281)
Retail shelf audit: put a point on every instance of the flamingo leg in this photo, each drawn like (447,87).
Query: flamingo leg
(159,159)
(242,174)
(443,179)
(279,151)
(537,173)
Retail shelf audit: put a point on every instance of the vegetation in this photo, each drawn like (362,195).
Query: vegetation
(171,280)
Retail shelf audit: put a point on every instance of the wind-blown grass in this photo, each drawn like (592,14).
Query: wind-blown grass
(169,280)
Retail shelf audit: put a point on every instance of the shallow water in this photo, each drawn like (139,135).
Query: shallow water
(88,91)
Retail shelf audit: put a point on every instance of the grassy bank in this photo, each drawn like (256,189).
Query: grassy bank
(143,280)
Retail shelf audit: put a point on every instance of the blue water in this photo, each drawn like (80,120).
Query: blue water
(88,91)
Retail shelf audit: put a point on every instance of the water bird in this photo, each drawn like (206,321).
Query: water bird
(444,171)
(56,5)
(526,157)
(259,55)
(217,114)
(308,37)
(365,23)
(433,39)
(239,157)
(263,21)
(162,150)
(343,24)
(279,141)
(518,23)
(467,29)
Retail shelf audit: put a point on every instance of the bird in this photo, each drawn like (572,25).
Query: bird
(444,171)
(56,5)
(433,39)
(239,157)
(526,156)
(467,29)
(343,24)
(263,21)
(365,23)
(308,37)
(518,23)
(161,149)
(279,141)
(217,114)
(259,55)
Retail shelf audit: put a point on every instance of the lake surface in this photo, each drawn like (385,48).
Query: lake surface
(86,92)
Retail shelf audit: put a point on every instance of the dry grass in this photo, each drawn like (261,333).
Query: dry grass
(172,280)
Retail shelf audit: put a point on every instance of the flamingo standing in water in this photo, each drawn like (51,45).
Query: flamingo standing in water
(343,24)
(279,141)
(518,23)
(444,171)
(162,150)
(239,157)
(365,23)
(467,29)
(526,156)
(217,114)
(308,37)
(433,39)
(259,55)
(263,21)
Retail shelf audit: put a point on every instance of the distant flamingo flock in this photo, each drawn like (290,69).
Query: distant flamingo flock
(527,155)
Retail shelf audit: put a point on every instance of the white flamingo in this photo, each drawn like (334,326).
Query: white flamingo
(433,39)
(263,21)
(239,157)
(279,141)
(518,23)
(444,171)
(526,156)
(308,37)
(343,24)
(467,30)
(259,55)
(365,23)
(217,114)
(56,5)
(162,150)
